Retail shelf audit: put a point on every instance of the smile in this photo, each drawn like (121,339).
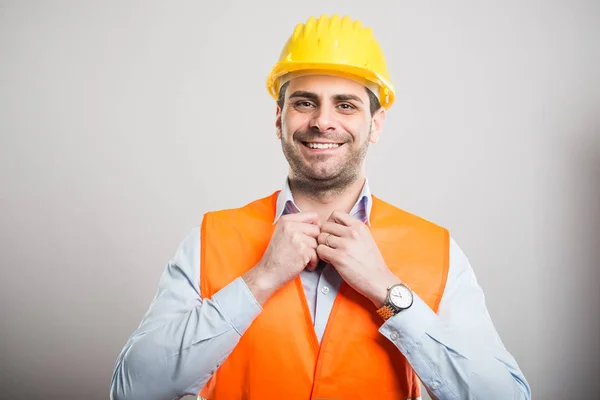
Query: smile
(317,145)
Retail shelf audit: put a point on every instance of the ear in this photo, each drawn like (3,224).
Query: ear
(377,125)
(278,121)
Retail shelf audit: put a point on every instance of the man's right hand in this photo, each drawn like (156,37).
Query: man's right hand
(291,249)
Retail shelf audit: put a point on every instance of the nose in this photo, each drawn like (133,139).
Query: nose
(323,120)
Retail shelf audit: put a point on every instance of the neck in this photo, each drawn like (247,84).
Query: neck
(324,202)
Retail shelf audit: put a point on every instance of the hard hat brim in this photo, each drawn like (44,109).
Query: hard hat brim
(365,76)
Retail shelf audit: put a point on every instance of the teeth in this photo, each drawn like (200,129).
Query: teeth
(323,145)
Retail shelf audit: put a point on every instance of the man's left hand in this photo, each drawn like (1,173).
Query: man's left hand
(347,244)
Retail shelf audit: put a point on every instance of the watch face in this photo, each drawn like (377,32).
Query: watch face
(401,296)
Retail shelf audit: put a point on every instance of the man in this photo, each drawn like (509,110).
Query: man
(320,290)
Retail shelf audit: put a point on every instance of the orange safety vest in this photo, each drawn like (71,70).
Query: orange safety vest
(279,356)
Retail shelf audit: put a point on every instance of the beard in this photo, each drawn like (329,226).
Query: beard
(321,178)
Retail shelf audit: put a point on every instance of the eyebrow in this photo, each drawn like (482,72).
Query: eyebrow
(304,94)
(346,97)
(312,96)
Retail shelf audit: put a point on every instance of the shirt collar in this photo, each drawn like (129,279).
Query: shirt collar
(361,209)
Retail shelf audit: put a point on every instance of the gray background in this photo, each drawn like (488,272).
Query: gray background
(123,122)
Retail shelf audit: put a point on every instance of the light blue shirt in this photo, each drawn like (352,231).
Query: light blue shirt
(183,338)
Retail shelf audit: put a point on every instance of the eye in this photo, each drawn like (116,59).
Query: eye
(346,107)
(303,104)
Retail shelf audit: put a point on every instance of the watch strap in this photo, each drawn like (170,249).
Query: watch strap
(386,312)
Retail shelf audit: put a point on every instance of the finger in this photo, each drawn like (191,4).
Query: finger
(335,229)
(329,240)
(311,242)
(309,230)
(326,254)
(314,261)
(304,243)
(342,218)
(303,228)
(306,217)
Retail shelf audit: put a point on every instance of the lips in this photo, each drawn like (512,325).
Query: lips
(321,145)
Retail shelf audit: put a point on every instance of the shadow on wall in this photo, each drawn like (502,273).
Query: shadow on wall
(586,213)
(579,240)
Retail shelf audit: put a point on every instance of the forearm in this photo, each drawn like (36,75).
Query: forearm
(180,355)
(450,364)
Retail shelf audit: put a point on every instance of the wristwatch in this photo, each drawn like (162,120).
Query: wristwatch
(399,297)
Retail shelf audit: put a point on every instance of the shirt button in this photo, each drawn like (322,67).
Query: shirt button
(325,290)
(435,385)
(394,335)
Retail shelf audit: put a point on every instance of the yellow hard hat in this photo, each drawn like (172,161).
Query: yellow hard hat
(334,46)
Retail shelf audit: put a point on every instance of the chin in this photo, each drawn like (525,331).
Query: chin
(331,177)
(323,175)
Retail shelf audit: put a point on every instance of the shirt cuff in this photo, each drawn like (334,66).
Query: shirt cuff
(407,328)
(238,305)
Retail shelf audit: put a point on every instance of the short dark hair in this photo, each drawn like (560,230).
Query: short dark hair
(374,103)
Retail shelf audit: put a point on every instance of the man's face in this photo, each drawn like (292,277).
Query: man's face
(325,126)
